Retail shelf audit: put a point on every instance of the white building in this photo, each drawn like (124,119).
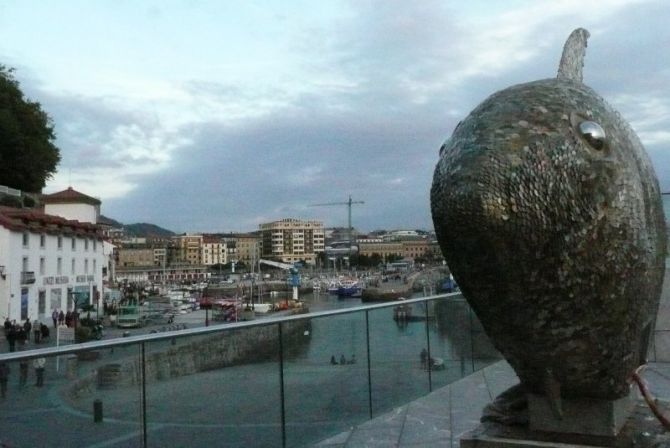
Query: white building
(47,262)
(214,250)
(289,240)
(71,204)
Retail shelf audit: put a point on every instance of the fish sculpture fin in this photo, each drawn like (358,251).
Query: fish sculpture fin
(574,51)
(552,390)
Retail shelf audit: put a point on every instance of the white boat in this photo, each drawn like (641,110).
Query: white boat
(262,307)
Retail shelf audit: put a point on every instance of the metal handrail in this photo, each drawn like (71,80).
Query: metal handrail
(132,340)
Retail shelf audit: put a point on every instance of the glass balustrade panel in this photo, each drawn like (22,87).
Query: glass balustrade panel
(325,376)
(219,389)
(397,339)
(84,399)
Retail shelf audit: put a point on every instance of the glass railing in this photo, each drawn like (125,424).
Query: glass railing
(288,381)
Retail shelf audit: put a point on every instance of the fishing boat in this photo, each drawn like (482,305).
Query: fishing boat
(345,287)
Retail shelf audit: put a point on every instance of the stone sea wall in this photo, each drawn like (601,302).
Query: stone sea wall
(187,356)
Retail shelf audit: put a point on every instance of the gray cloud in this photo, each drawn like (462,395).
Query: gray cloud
(389,84)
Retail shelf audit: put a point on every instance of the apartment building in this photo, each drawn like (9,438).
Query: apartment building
(188,249)
(290,240)
(214,250)
(246,247)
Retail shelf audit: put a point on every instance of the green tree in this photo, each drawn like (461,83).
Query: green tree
(28,155)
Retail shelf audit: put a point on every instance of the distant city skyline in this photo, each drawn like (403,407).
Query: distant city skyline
(216,116)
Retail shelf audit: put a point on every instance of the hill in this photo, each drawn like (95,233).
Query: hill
(143,229)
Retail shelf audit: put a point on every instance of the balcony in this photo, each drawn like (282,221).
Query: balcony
(291,381)
(27,277)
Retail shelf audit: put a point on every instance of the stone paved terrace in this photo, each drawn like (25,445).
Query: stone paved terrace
(442,417)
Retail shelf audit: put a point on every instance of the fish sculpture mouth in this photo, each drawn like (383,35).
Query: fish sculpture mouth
(548,213)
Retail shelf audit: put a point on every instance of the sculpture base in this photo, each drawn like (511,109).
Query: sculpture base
(584,416)
(640,430)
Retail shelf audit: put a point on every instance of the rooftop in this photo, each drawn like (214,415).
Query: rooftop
(20,219)
(69,196)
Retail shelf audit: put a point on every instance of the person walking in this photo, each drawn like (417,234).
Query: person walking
(4,377)
(38,364)
(61,317)
(54,317)
(27,326)
(8,325)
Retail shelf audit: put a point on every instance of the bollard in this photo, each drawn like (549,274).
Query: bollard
(97,411)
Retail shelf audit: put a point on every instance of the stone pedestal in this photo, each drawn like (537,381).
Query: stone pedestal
(639,430)
(580,416)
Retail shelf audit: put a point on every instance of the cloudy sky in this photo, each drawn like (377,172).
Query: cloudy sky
(216,116)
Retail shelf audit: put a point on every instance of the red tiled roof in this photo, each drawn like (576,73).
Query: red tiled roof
(33,220)
(69,196)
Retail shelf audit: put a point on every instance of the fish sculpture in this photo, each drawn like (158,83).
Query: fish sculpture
(549,215)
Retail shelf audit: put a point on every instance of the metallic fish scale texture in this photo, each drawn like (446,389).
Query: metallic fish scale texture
(555,234)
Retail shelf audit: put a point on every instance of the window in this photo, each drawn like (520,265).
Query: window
(42,265)
(95,245)
(73,266)
(85,243)
(86,266)
(43,241)
(59,266)
(94,266)
(24,264)
(26,239)
(60,242)
(74,243)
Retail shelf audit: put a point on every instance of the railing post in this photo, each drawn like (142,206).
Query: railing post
(472,340)
(144,396)
(429,361)
(367,342)
(281,385)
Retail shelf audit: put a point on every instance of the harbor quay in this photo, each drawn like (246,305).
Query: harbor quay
(293,399)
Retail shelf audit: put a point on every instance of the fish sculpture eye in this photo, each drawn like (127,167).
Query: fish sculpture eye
(593,133)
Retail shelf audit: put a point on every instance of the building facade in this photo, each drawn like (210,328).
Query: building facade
(246,247)
(289,240)
(383,249)
(135,256)
(48,263)
(189,249)
(213,250)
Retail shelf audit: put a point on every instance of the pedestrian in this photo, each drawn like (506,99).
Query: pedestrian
(4,377)
(27,326)
(21,335)
(11,338)
(61,318)
(37,331)
(8,325)
(54,317)
(343,360)
(68,319)
(23,372)
(38,364)
(45,332)
(332,360)
(424,358)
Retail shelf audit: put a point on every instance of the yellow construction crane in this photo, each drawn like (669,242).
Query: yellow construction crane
(348,203)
